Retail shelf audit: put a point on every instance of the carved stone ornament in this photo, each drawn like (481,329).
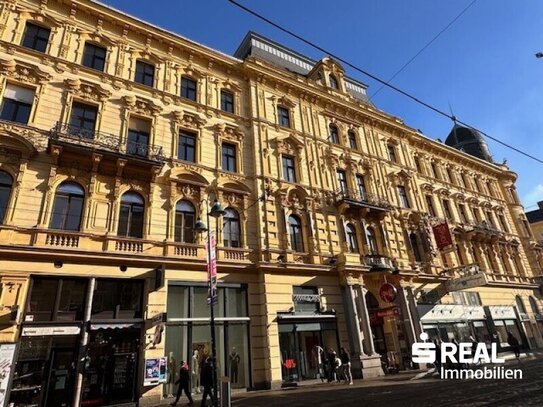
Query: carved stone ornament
(289,145)
(228,132)
(233,199)
(188,191)
(87,90)
(23,72)
(188,166)
(33,139)
(284,101)
(189,120)
(231,176)
(140,105)
(427,187)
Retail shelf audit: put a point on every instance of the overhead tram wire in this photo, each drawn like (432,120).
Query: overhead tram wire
(381,81)
(424,47)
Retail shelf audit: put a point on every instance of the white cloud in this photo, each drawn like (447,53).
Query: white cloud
(535,195)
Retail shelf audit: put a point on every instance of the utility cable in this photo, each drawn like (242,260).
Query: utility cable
(423,48)
(381,81)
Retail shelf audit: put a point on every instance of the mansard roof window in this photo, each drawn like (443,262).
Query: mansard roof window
(333,82)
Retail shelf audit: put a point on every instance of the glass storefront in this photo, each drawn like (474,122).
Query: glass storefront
(461,331)
(45,371)
(299,343)
(111,365)
(188,333)
(503,326)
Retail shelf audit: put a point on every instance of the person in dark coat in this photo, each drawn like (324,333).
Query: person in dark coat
(514,343)
(206,380)
(184,384)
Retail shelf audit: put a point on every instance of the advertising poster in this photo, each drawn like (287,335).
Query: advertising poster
(7,352)
(155,371)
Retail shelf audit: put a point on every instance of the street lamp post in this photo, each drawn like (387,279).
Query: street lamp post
(216,211)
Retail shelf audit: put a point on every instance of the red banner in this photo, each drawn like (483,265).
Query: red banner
(212,269)
(442,235)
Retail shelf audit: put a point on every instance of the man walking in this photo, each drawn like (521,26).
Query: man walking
(346,366)
(183,382)
(514,343)
(206,380)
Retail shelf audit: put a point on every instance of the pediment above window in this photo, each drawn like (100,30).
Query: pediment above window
(141,105)
(87,90)
(23,72)
(289,145)
(229,132)
(188,119)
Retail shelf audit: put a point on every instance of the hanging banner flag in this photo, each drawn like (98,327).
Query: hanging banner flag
(443,236)
(212,269)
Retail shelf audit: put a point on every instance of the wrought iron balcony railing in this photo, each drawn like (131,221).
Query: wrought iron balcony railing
(485,227)
(362,198)
(105,141)
(378,262)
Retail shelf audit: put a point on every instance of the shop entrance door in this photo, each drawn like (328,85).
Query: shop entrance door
(60,379)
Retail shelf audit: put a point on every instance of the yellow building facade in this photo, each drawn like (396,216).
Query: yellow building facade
(116,137)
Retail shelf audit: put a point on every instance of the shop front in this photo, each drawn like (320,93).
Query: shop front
(306,335)
(504,320)
(188,333)
(75,329)
(455,321)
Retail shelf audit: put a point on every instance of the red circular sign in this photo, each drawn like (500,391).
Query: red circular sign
(388,292)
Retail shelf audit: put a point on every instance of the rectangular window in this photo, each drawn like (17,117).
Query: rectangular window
(526,228)
(227,101)
(447,210)
(435,171)
(117,299)
(352,140)
(417,164)
(392,153)
(476,215)
(450,176)
(503,223)
(36,37)
(289,169)
(187,146)
(229,157)
(138,137)
(490,219)
(56,300)
(83,117)
(361,185)
(430,205)
(17,104)
(342,180)
(94,57)
(188,88)
(404,200)
(283,116)
(145,73)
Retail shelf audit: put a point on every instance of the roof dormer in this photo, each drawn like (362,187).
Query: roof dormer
(329,73)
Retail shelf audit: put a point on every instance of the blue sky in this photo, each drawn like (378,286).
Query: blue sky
(483,66)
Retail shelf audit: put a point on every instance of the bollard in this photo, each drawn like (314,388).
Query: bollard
(225,392)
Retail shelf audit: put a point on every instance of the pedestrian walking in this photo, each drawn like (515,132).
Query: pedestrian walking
(332,365)
(514,343)
(206,380)
(346,366)
(437,362)
(184,384)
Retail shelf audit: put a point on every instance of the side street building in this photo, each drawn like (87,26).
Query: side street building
(343,226)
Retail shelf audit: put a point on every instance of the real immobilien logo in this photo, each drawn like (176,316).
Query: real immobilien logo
(463,354)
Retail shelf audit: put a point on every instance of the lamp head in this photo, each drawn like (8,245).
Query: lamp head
(200,226)
(216,210)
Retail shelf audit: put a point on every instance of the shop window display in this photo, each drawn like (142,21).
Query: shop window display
(188,337)
(117,299)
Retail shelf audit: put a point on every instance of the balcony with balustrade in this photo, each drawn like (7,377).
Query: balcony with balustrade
(370,203)
(74,141)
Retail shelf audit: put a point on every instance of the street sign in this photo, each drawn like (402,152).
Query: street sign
(469,281)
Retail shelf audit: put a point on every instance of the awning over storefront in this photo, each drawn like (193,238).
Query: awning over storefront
(450,313)
(95,327)
(306,317)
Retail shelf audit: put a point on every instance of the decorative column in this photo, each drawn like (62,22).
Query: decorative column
(410,316)
(353,328)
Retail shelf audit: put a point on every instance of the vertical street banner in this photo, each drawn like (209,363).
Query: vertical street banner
(443,236)
(212,269)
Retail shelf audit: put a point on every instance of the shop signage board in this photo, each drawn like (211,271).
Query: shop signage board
(465,282)
(451,313)
(7,354)
(388,292)
(388,312)
(159,318)
(155,371)
(212,269)
(502,312)
(50,330)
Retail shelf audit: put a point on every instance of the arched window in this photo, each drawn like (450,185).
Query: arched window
(6,183)
(413,239)
(67,207)
(333,82)
(352,241)
(184,222)
(295,233)
(231,228)
(372,240)
(535,307)
(131,215)
(520,305)
(334,135)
